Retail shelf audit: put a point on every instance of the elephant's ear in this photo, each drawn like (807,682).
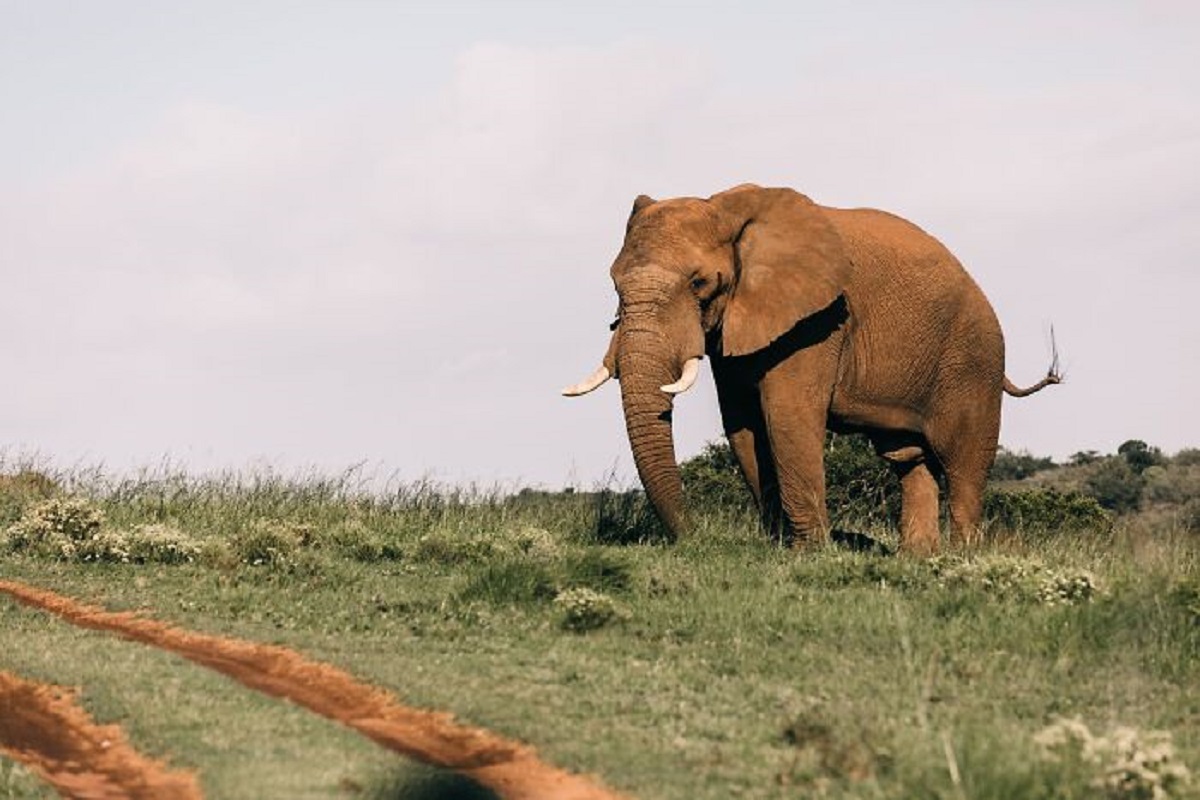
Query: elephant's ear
(640,202)
(790,264)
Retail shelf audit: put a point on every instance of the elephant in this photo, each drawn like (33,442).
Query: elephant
(814,318)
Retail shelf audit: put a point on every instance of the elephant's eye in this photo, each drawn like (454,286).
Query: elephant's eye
(698,283)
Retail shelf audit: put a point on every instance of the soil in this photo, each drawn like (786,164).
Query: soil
(509,768)
(43,727)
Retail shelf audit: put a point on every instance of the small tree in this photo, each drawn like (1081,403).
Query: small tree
(1140,455)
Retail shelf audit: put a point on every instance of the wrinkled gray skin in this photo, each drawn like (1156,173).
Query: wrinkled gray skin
(814,318)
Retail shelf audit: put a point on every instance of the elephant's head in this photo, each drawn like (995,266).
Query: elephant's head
(737,271)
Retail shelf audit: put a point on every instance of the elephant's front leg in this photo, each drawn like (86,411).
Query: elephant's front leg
(742,418)
(795,403)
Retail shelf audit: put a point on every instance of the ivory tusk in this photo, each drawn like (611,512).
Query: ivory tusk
(691,369)
(592,382)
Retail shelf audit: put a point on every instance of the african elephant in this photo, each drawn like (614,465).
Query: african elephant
(814,318)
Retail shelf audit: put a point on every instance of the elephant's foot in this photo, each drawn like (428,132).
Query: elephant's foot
(809,542)
(919,546)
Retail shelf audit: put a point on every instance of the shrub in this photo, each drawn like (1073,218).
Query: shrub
(1066,587)
(267,541)
(106,546)
(1014,578)
(585,610)
(1045,511)
(1116,486)
(159,543)
(1175,484)
(73,528)
(55,527)
(859,485)
(713,480)
(1015,466)
(531,542)
(1126,763)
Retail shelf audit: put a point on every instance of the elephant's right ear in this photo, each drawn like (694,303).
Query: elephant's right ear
(642,201)
(790,264)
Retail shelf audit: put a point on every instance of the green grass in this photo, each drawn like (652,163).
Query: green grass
(735,669)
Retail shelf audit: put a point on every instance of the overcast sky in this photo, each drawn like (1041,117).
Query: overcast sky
(312,234)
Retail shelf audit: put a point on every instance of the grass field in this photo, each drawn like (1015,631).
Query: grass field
(720,666)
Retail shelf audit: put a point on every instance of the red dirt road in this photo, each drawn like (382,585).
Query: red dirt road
(509,768)
(44,728)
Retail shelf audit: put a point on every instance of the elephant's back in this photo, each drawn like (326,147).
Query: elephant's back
(921,322)
(876,240)
(897,263)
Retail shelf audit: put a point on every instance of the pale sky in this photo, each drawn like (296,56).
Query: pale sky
(313,234)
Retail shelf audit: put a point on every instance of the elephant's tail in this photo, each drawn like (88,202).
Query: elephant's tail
(1053,375)
(1013,390)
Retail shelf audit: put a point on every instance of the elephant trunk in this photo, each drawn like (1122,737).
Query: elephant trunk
(644,371)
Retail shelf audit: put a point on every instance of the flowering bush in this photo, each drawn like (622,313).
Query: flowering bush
(160,544)
(73,528)
(1127,763)
(266,541)
(55,527)
(585,609)
(1064,587)
(1018,578)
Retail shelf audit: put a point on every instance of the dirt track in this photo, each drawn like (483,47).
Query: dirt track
(44,728)
(509,768)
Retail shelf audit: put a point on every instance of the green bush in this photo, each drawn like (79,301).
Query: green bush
(1116,485)
(1015,466)
(713,481)
(1175,484)
(1045,511)
(860,487)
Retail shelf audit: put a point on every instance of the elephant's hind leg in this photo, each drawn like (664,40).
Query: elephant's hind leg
(919,499)
(967,458)
(966,485)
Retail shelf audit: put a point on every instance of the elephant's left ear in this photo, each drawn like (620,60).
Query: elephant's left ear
(790,264)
